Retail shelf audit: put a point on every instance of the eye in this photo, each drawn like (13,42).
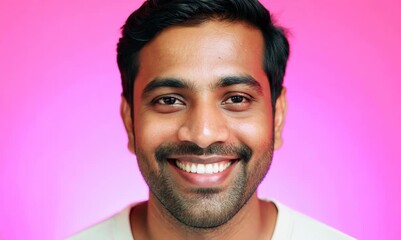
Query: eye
(168,100)
(168,104)
(235,99)
(237,103)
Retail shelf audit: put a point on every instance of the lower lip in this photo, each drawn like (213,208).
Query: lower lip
(205,180)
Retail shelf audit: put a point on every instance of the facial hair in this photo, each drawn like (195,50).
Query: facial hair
(205,207)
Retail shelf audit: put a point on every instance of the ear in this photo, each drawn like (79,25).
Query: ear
(279,118)
(125,111)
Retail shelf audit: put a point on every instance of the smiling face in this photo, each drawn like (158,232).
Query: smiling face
(202,120)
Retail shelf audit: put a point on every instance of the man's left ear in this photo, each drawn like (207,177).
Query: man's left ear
(279,118)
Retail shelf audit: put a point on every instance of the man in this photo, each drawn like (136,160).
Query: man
(204,107)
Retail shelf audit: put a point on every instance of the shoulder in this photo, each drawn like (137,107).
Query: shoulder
(291,225)
(115,227)
(102,230)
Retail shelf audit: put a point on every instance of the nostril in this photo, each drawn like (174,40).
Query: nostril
(203,138)
(204,128)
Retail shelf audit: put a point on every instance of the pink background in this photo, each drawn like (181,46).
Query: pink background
(63,158)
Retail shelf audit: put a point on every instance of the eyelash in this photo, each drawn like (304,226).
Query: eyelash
(246,98)
(175,103)
(158,100)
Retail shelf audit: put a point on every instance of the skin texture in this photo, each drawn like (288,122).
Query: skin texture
(198,108)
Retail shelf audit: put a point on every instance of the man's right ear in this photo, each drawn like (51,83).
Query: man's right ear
(125,111)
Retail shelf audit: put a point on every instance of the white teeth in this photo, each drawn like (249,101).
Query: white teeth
(203,168)
(215,167)
(193,168)
(187,167)
(221,167)
(200,169)
(209,168)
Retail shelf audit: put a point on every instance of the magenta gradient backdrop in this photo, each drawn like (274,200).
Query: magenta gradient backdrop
(64,164)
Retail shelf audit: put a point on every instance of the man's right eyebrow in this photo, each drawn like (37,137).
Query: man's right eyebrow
(164,83)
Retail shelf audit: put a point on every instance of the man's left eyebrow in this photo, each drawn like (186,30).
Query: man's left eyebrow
(237,80)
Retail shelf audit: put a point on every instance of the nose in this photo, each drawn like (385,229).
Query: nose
(204,126)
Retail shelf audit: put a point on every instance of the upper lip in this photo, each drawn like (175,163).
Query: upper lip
(203,159)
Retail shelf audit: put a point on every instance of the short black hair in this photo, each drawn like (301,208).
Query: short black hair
(154,16)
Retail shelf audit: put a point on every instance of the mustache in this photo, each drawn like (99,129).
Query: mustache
(164,151)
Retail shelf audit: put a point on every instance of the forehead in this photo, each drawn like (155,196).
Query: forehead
(203,53)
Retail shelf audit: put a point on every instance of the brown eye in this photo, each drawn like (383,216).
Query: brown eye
(237,99)
(167,100)
(168,104)
(238,103)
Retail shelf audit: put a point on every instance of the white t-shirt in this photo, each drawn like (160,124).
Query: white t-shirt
(290,225)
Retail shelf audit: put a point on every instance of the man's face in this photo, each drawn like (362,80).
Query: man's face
(202,120)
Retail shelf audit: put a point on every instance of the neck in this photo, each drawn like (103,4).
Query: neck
(255,220)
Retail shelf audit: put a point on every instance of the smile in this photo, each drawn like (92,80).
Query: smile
(199,168)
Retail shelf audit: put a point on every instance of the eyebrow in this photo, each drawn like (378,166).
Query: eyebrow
(163,83)
(224,81)
(236,80)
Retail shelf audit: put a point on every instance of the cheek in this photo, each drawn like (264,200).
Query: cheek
(152,130)
(256,133)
